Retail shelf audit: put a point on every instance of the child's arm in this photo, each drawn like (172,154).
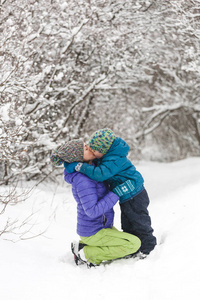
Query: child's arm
(92,206)
(104,171)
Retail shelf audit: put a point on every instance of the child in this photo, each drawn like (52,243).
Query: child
(124,180)
(99,239)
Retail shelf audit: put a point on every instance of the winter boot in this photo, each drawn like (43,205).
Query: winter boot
(141,255)
(75,250)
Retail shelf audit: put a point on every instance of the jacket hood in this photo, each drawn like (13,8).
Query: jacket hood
(119,147)
(69,177)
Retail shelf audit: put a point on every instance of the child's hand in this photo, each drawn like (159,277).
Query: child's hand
(70,167)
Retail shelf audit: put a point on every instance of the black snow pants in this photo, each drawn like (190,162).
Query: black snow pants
(135,219)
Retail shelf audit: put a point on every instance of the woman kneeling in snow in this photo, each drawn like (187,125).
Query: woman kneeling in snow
(99,240)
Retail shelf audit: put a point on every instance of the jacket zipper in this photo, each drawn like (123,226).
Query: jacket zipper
(104,220)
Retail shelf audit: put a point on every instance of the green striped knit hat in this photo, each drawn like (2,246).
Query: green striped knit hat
(101,140)
(70,152)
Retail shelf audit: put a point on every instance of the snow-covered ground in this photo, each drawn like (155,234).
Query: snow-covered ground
(42,268)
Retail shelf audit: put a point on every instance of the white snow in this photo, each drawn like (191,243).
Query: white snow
(4,112)
(18,121)
(42,268)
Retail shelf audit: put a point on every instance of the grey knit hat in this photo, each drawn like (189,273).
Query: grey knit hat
(68,152)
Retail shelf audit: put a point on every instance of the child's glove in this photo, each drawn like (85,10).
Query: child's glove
(70,167)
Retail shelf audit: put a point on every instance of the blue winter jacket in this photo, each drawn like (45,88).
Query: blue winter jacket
(117,170)
(94,203)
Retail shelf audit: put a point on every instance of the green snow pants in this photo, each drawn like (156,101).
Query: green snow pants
(109,244)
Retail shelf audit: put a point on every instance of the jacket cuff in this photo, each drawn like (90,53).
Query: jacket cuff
(78,166)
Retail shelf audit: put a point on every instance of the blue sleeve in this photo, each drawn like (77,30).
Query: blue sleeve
(94,207)
(105,170)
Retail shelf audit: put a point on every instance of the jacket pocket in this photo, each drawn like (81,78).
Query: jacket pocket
(125,188)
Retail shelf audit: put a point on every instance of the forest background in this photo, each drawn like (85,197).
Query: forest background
(68,68)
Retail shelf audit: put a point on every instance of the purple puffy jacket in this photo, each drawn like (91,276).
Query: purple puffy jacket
(94,203)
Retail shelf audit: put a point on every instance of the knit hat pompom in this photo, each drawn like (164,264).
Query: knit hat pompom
(70,151)
(56,160)
(101,140)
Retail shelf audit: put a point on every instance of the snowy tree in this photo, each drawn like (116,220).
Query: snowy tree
(39,79)
(71,67)
(154,100)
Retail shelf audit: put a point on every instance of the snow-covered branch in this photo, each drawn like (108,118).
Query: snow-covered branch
(74,34)
(81,99)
